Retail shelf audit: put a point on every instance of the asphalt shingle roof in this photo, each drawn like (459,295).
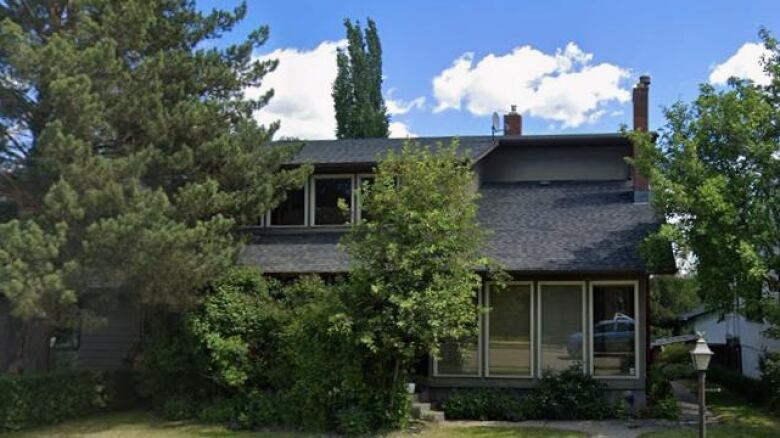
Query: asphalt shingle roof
(562,226)
(370,150)
(566,226)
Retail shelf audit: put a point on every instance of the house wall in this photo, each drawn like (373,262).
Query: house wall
(753,343)
(110,346)
(619,387)
(512,163)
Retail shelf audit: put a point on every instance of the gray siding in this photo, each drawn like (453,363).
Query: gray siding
(510,163)
(109,346)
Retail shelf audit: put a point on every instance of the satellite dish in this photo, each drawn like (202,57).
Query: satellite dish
(496,122)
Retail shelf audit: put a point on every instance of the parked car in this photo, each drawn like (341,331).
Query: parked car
(614,335)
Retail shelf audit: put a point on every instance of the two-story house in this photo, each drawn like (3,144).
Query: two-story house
(566,215)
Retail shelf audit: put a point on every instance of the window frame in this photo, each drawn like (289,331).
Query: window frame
(637,326)
(480,333)
(269,223)
(356,194)
(532,334)
(313,199)
(584,317)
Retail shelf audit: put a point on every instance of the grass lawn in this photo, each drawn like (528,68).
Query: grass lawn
(738,419)
(144,424)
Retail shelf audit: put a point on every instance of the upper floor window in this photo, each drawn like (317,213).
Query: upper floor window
(328,192)
(292,211)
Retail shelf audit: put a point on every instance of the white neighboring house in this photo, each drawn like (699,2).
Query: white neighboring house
(750,334)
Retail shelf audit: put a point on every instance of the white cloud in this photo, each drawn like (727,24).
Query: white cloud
(745,64)
(398,106)
(564,87)
(302,85)
(400,130)
(302,101)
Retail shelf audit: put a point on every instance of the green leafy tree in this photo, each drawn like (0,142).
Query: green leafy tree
(670,297)
(357,90)
(129,153)
(413,278)
(715,172)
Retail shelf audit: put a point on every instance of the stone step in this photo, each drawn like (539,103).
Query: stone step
(433,416)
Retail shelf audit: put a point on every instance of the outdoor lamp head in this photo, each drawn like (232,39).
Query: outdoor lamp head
(701,354)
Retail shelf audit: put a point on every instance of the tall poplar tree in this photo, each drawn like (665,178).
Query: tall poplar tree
(357,90)
(130,154)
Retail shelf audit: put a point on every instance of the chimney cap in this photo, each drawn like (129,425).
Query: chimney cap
(514,108)
(644,80)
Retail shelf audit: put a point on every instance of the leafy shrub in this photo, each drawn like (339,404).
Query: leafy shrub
(660,397)
(484,404)
(354,421)
(220,411)
(675,354)
(770,377)
(262,409)
(752,390)
(177,408)
(568,395)
(35,400)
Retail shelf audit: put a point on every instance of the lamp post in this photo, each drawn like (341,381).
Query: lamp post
(701,355)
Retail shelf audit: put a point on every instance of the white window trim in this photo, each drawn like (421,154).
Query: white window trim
(637,326)
(357,202)
(479,348)
(313,199)
(532,337)
(541,284)
(269,223)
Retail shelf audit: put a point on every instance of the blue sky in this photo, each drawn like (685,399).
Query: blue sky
(489,54)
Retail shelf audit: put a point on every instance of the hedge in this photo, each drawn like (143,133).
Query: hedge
(41,399)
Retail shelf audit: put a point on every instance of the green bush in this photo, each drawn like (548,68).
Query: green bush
(220,411)
(569,395)
(35,400)
(770,377)
(675,354)
(752,390)
(661,402)
(484,404)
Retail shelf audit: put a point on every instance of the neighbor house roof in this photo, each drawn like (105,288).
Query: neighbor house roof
(560,226)
(371,150)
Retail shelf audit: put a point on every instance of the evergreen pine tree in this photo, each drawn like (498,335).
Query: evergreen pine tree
(130,155)
(357,90)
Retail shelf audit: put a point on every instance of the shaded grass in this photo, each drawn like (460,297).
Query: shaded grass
(138,425)
(145,424)
(494,432)
(738,418)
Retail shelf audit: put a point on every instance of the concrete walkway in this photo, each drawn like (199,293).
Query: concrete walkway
(688,405)
(611,429)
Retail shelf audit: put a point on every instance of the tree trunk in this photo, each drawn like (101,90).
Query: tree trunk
(27,347)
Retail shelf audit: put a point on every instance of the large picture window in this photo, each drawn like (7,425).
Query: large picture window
(292,211)
(461,357)
(509,327)
(458,359)
(562,334)
(614,330)
(328,191)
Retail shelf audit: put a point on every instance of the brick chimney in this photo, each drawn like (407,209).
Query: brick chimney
(641,123)
(513,122)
